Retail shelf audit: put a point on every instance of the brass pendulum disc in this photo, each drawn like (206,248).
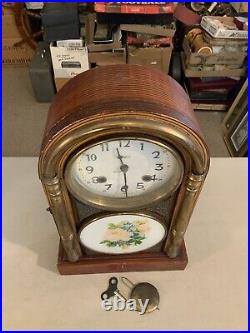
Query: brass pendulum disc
(146,291)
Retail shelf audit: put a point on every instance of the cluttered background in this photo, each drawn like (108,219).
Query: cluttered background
(202,45)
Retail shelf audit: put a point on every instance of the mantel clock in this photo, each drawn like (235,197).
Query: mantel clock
(122,164)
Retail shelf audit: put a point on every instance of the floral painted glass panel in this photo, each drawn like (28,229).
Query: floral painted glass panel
(122,233)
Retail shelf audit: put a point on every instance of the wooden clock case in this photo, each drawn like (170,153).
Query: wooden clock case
(116,101)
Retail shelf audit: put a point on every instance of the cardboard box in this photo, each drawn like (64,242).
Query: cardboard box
(59,82)
(100,47)
(69,62)
(240,44)
(157,30)
(151,57)
(104,47)
(222,58)
(90,28)
(135,7)
(12,55)
(108,58)
(9,27)
(214,26)
(197,72)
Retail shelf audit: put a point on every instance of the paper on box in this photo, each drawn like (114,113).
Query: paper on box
(70,43)
(68,61)
(212,24)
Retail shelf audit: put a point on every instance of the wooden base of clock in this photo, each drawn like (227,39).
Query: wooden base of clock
(155,261)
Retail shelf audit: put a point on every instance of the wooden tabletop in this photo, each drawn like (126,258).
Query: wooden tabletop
(211,294)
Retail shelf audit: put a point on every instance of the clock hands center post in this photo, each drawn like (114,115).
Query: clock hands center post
(124,170)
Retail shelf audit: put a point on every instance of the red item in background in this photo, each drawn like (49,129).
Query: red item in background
(140,40)
(197,84)
(186,16)
(132,8)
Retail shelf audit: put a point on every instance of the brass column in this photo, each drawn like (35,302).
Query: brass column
(180,221)
(58,209)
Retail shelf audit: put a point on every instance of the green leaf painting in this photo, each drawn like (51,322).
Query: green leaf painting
(125,234)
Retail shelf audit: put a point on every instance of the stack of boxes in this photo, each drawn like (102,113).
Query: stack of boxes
(104,42)
(117,33)
(214,62)
(140,34)
(150,45)
(61,26)
(80,36)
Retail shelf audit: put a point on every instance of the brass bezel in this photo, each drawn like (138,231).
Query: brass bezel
(154,216)
(121,204)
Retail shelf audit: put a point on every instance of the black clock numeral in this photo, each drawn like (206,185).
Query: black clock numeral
(105,146)
(142,146)
(108,186)
(89,169)
(156,154)
(125,144)
(124,189)
(140,186)
(159,167)
(91,157)
(154,178)
(95,180)
(99,180)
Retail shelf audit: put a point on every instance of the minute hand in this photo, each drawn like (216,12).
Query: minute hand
(124,169)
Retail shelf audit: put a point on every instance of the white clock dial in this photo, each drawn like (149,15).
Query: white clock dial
(125,169)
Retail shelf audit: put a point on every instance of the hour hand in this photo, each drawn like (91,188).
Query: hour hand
(119,155)
(123,167)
